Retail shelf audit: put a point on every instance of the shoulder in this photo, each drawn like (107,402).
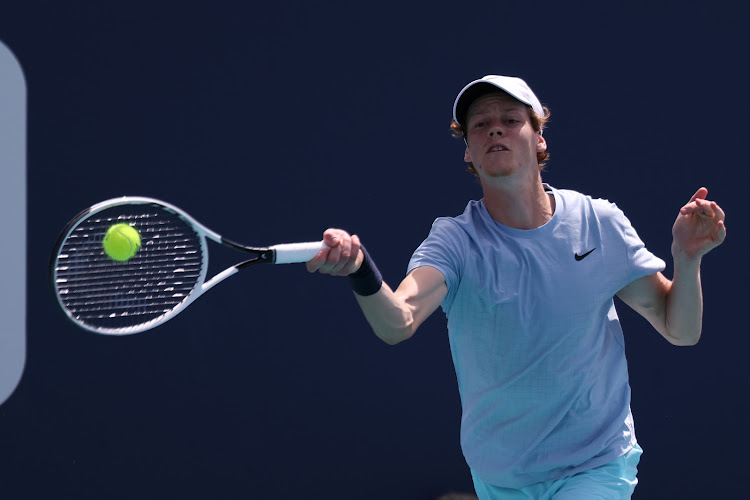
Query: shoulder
(573,196)
(600,207)
(461,225)
(450,238)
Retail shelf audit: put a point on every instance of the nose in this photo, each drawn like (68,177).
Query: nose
(495,128)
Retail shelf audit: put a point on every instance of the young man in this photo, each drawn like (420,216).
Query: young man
(526,277)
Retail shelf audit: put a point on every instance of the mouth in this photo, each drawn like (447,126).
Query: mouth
(497,148)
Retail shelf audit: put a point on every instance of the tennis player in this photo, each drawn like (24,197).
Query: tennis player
(526,277)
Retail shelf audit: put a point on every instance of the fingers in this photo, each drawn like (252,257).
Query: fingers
(720,215)
(702,222)
(721,229)
(721,233)
(701,193)
(698,205)
(340,258)
(692,205)
(707,213)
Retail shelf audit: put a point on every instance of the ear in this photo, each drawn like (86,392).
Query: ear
(541,145)
(467,156)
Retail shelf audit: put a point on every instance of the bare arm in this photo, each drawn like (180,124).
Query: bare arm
(675,308)
(393,315)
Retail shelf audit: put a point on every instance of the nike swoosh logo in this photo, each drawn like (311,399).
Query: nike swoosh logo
(581,257)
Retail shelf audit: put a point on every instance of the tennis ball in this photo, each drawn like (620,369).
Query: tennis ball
(121,242)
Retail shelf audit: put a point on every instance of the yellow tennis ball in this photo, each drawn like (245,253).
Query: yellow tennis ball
(121,242)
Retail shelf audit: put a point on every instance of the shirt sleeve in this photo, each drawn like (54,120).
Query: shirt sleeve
(443,249)
(641,262)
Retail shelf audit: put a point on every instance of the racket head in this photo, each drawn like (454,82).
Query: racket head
(110,297)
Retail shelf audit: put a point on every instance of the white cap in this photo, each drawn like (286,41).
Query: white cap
(510,84)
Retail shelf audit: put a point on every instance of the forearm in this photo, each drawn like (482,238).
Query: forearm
(698,229)
(675,308)
(394,316)
(390,317)
(684,302)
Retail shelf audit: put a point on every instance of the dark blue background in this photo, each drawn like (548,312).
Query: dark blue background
(269,123)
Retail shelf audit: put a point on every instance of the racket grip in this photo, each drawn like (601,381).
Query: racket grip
(290,253)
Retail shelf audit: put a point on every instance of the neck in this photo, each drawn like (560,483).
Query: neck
(519,206)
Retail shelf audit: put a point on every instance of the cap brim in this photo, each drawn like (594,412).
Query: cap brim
(513,86)
(470,94)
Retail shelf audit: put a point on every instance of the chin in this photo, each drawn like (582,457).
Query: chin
(496,172)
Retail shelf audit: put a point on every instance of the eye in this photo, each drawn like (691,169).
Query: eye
(479,124)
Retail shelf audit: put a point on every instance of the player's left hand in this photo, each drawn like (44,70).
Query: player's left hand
(699,227)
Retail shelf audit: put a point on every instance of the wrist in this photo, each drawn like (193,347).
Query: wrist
(366,280)
(684,261)
(684,256)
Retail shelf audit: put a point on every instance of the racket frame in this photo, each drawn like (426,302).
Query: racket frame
(284,253)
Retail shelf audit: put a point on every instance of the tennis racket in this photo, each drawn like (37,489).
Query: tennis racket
(164,277)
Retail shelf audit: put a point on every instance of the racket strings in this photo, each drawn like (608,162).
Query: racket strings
(104,293)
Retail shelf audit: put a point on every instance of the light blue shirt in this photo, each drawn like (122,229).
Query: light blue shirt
(536,342)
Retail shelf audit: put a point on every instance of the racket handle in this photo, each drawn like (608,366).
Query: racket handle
(290,253)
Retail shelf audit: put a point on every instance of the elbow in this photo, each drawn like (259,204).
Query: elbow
(394,325)
(684,340)
(682,333)
(397,331)
(688,342)
(395,340)
(395,336)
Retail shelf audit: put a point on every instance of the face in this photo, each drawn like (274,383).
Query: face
(500,138)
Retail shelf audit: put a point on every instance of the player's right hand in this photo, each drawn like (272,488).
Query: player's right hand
(342,257)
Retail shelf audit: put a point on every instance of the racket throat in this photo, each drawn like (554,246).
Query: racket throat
(220,277)
(262,255)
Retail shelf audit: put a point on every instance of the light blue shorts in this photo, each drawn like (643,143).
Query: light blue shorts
(613,481)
